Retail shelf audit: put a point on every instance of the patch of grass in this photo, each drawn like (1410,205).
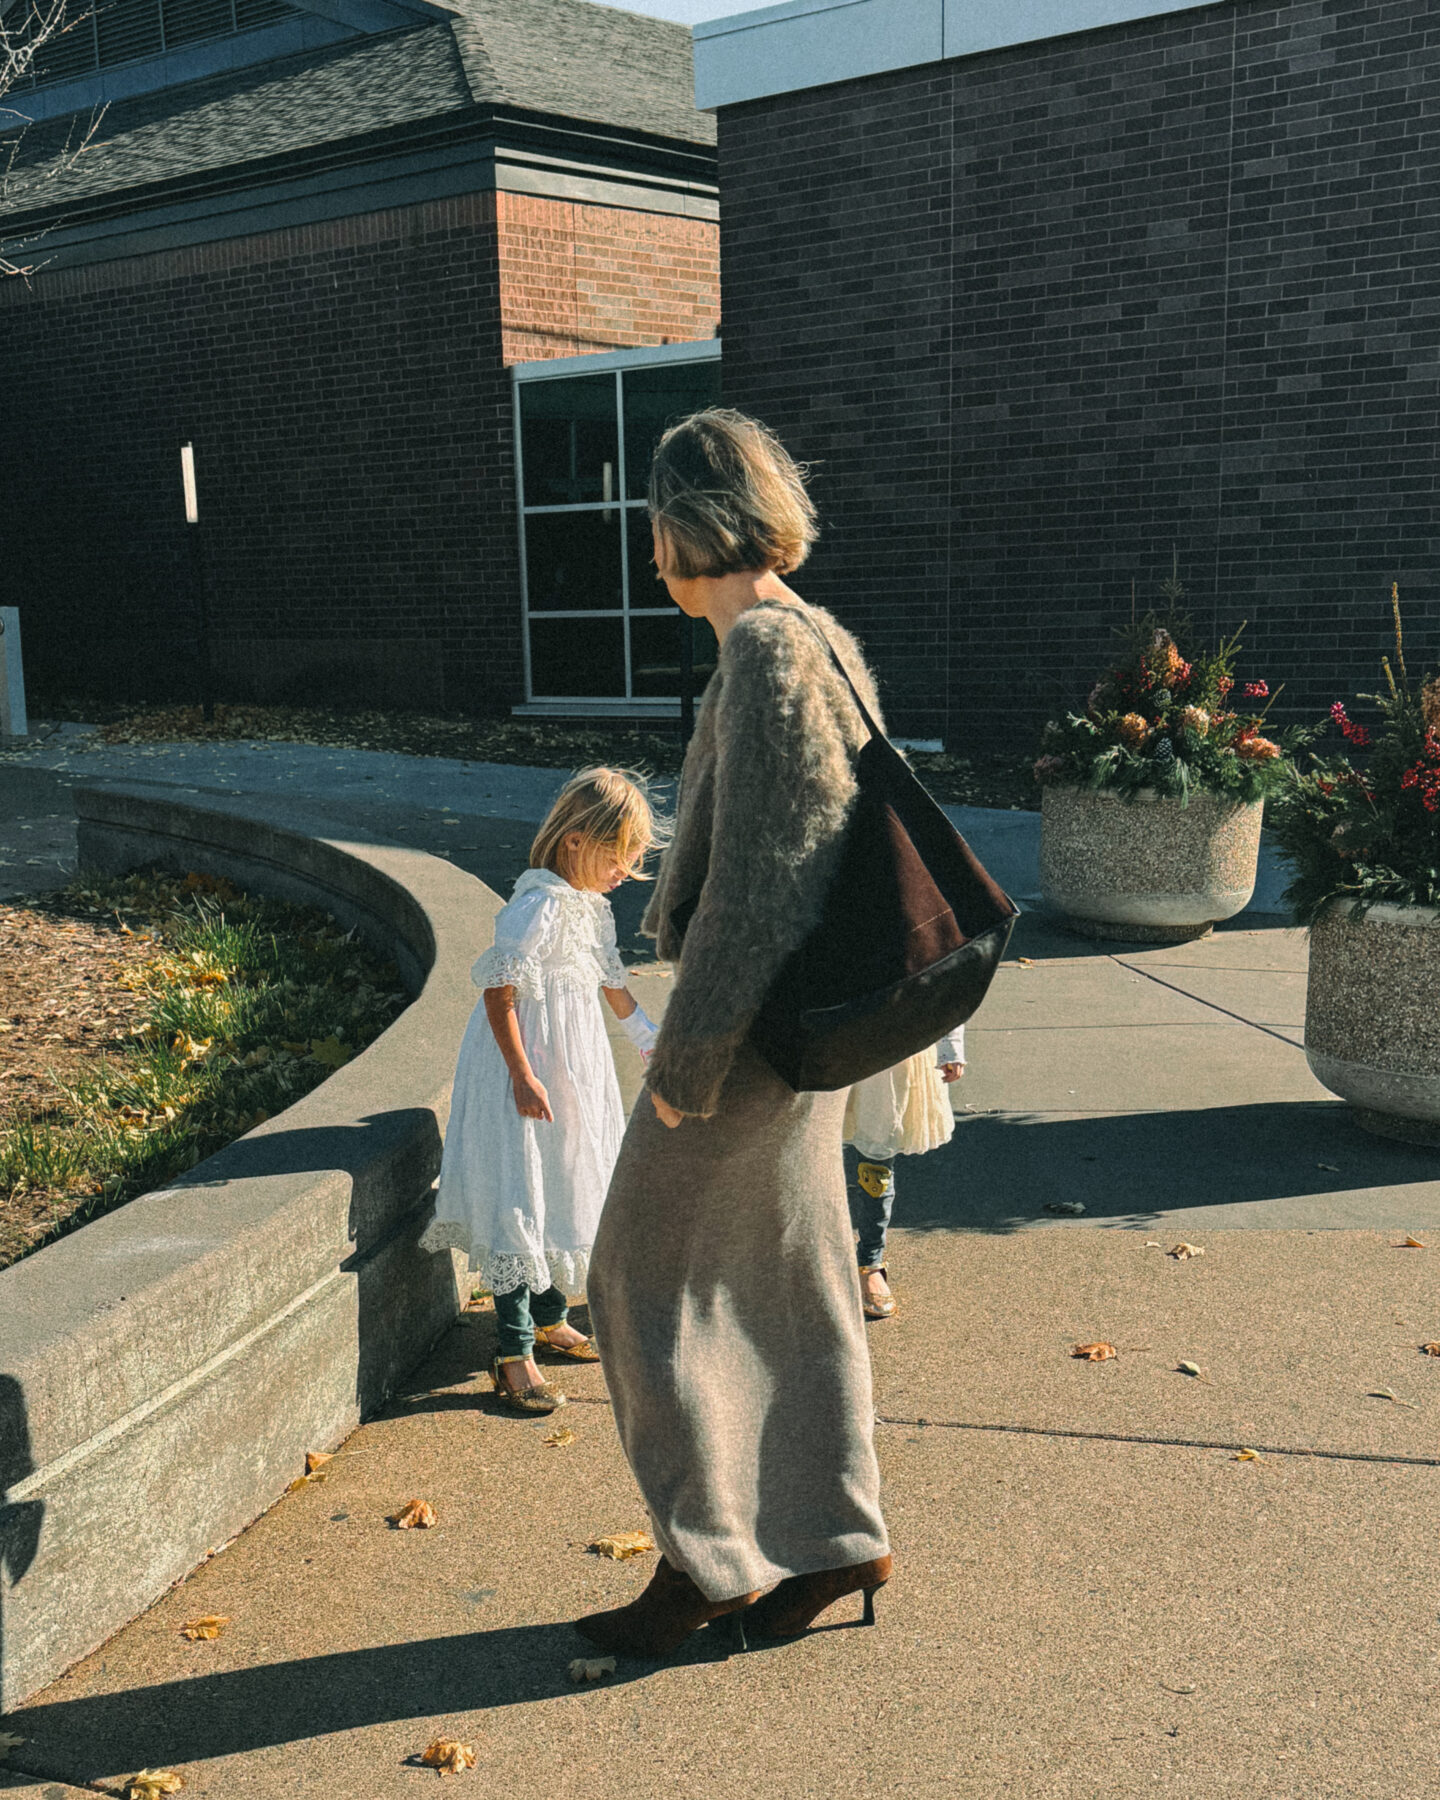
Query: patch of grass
(246,1004)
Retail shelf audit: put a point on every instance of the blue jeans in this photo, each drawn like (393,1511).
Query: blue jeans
(870,1209)
(519,1312)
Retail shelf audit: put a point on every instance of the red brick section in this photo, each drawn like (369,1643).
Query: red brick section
(576,278)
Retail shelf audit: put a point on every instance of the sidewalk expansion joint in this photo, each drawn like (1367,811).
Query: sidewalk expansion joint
(1168,1443)
(1185,993)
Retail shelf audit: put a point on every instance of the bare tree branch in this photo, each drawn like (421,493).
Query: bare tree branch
(24,184)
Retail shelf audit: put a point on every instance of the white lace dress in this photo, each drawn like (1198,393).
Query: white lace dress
(523,1196)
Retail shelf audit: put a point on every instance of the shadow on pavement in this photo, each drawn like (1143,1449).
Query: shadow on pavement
(241,1710)
(1001,1170)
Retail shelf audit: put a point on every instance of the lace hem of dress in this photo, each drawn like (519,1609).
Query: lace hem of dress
(504,968)
(503,1273)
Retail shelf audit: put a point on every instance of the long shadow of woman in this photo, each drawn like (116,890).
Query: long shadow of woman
(20,1520)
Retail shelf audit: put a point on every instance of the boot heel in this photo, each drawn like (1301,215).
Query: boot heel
(869,1615)
(731,1628)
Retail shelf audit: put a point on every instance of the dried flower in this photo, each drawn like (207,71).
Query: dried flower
(1196,719)
(1255,748)
(1430,702)
(1134,730)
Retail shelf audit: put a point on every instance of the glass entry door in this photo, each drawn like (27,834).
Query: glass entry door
(599,626)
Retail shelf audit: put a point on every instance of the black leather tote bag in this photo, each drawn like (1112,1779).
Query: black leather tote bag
(913,931)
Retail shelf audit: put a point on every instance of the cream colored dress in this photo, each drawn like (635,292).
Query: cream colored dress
(904,1111)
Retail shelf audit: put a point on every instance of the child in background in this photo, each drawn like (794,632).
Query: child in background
(536,1118)
(903,1111)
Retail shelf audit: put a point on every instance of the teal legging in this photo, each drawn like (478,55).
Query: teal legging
(520,1311)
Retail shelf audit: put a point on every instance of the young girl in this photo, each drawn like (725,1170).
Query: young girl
(900,1112)
(536,1119)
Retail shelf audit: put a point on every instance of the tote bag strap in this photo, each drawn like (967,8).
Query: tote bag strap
(814,625)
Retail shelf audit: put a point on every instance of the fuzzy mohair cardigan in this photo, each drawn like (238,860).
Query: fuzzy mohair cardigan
(765,796)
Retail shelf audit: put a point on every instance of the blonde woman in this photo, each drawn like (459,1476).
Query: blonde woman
(536,1119)
(723,1287)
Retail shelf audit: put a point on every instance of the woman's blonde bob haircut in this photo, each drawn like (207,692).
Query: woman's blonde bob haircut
(611,811)
(727,497)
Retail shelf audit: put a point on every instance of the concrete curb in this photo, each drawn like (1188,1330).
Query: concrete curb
(167,1367)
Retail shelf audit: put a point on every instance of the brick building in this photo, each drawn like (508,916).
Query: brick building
(1052,294)
(312,241)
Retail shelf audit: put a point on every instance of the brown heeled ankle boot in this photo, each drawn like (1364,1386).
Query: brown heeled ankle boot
(663,1617)
(793,1606)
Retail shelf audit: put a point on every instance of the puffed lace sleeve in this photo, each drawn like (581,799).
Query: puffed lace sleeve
(525,931)
(613,973)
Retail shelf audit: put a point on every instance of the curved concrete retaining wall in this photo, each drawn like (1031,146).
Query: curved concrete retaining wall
(166,1368)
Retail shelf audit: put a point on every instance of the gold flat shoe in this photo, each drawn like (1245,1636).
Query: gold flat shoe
(582,1352)
(874,1306)
(542,1398)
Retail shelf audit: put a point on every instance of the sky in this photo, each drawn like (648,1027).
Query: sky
(691,12)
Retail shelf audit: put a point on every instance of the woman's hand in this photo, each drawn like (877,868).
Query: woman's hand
(951,1072)
(666,1113)
(531,1100)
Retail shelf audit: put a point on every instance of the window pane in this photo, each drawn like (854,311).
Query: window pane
(646,587)
(572,560)
(584,658)
(655,656)
(568,442)
(655,398)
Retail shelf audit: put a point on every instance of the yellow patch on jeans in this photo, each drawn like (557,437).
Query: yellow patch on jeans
(877,1179)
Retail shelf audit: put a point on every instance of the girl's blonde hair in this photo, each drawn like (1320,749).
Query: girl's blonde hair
(726,497)
(611,810)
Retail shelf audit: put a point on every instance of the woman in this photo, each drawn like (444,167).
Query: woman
(723,1287)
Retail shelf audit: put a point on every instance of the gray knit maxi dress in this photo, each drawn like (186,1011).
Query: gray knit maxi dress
(723,1288)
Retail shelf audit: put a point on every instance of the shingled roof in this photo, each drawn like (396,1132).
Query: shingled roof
(568,57)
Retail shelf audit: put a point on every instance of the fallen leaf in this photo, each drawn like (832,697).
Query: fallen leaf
(1093,1352)
(1411,1243)
(330,1052)
(297,1484)
(622,1546)
(414,1515)
(209,1627)
(559,1437)
(1246,1456)
(1152,1243)
(1187,1687)
(1071,1208)
(1430,1349)
(1329,1168)
(149,1784)
(591,1668)
(314,1459)
(9,1742)
(1025,962)
(1183,1252)
(1189,1368)
(449,1756)
(1390,1394)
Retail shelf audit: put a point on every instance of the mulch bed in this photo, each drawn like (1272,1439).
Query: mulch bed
(62,1010)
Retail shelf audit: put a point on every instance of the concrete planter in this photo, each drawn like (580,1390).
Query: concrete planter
(1372,1016)
(1146,869)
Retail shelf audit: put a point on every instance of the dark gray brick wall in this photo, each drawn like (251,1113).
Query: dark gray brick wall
(1047,317)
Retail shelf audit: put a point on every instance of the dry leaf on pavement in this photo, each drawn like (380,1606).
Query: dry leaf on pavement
(414,1515)
(1093,1352)
(9,1742)
(209,1627)
(591,1668)
(1025,962)
(1389,1394)
(1071,1209)
(1411,1243)
(449,1756)
(1183,1252)
(622,1546)
(1430,1349)
(1192,1369)
(150,1784)
(559,1437)
(314,1459)
(1246,1456)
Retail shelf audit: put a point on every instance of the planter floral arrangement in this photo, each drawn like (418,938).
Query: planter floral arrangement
(1369,833)
(1171,723)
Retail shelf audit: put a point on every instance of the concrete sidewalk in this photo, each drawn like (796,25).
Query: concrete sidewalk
(1095,1598)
